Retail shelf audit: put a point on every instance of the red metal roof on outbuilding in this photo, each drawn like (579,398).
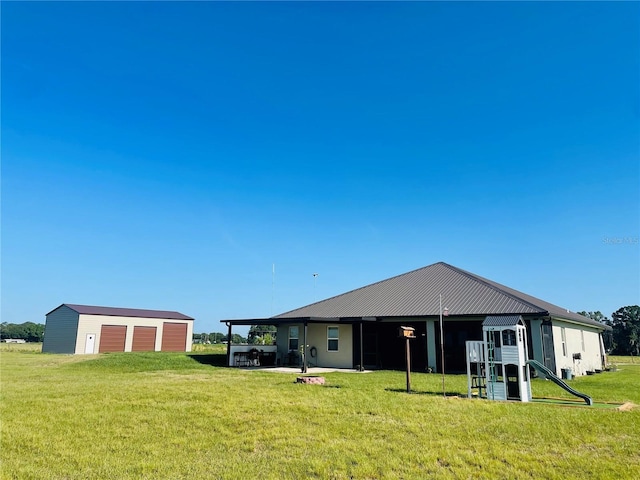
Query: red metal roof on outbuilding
(124,312)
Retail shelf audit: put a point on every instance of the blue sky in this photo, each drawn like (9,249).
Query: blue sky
(166,156)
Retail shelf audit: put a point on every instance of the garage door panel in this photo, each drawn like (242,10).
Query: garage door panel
(112,338)
(174,337)
(144,339)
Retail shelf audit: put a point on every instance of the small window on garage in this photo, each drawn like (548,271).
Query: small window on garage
(563,335)
(333,334)
(293,337)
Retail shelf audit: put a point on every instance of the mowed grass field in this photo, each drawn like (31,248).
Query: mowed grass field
(179,416)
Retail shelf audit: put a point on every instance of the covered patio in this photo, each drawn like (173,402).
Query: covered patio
(300,354)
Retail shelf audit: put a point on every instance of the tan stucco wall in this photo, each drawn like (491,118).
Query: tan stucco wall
(93,324)
(591,357)
(317,337)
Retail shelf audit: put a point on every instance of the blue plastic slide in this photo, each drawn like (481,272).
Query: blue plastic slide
(549,375)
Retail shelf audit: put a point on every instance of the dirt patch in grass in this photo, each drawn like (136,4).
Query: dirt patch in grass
(626,407)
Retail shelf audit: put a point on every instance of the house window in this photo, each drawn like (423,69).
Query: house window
(563,334)
(582,338)
(508,338)
(332,338)
(293,338)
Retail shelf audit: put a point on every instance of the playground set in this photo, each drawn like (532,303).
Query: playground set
(498,366)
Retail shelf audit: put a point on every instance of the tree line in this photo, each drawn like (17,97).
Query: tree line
(624,337)
(28,331)
(258,335)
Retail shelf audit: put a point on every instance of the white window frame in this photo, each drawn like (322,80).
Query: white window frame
(508,338)
(296,337)
(582,338)
(563,336)
(336,338)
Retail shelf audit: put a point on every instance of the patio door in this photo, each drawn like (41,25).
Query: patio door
(370,349)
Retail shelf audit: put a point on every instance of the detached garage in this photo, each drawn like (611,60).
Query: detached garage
(88,329)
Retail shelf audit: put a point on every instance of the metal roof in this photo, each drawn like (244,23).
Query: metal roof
(416,294)
(502,321)
(124,312)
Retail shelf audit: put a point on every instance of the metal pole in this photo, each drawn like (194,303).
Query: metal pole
(408,367)
(361,349)
(315,275)
(229,345)
(444,392)
(304,350)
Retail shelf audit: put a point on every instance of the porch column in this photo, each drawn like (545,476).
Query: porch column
(431,345)
(304,351)
(361,349)
(229,345)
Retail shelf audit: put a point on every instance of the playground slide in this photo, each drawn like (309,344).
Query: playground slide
(548,374)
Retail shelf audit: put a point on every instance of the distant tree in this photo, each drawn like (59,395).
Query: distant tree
(626,330)
(257,332)
(28,331)
(216,337)
(235,338)
(597,316)
(204,338)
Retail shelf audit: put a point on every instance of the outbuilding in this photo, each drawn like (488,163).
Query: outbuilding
(89,329)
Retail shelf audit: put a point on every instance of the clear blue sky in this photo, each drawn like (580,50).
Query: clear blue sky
(165,156)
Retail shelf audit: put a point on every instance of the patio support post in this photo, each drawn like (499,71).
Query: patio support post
(361,349)
(229,345)
(304,349)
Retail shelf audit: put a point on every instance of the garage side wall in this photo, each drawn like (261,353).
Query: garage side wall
(60,331)
(92,324)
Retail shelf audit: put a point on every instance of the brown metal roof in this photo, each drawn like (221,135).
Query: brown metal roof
(124,312)
(416,294)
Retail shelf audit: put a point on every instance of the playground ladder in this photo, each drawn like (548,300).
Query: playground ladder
(491,360)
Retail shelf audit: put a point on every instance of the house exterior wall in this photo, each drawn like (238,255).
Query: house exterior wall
(60,332)
(317,337)
(432,356)
(589,350)
(93,323)
(282,341)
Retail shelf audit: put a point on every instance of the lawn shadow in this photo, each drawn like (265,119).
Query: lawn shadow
(425,392)
(212,359)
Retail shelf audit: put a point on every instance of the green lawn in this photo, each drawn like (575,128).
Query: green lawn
(159,415)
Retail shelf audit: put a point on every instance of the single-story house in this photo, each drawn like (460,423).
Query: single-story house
(359,329)
(89,329)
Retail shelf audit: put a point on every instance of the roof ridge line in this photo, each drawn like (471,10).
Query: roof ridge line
(495,288)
